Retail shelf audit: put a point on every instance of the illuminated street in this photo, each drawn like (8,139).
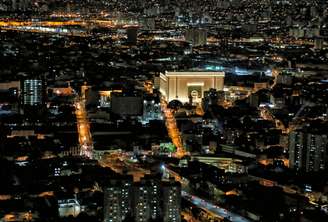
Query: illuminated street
(72,27)
(202,203)
(267,115)
(83,128)
(172,129)
(214,208)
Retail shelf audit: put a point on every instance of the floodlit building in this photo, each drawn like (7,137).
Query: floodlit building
(188,85)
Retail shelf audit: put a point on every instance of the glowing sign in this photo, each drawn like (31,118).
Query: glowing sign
(167,147)
(214,68)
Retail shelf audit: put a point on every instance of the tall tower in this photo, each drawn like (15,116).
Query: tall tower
(117,204)
(308,150)
(147,199)
(171,201)
(32,92)
(296,150)
(141,201)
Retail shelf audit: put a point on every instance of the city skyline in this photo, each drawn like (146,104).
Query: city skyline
(164,111)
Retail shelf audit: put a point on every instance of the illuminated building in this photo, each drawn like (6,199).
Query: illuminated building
(68,207)
(154,199)
(308,150)
(141,202)
(318,43)
(151,110)
(231,135)
(32,92)
(254,100)
(117,203)
(62,89)
(105,97)
(196,36)
(285,78)
(148,23)
(278,101)
(10,85)
(146,200)
(260,85)
(212,97)
(171,201)
(10,90)
(189,85)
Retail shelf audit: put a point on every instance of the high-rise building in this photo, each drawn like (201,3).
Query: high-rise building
(132,35)
(196,36)
(141,202)
(117,204)
(171,197)
(147,199)
(308,150)
(151,109)
(32,92)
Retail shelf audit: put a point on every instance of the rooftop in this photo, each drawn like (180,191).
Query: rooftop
(194,73)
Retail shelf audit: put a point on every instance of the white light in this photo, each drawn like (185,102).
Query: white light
(195,74)
(195,84)
(162,167)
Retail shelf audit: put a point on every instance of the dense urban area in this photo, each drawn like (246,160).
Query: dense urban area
(164,111)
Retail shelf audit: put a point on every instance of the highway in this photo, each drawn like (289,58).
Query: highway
(214,208)
(202,203)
